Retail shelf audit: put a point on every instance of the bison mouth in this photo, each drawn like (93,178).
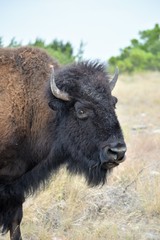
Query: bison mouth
(112,163)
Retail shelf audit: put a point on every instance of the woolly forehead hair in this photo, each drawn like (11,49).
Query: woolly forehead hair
(84,78)
(87,67)
(92,66)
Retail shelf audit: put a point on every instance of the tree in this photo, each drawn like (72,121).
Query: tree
(62,52)
(80,53)
(38,43)
(14,43)
(142,54)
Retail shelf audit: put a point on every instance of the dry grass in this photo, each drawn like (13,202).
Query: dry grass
(128,207)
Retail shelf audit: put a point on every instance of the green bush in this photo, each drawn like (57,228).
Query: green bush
(62,52)
(143,54)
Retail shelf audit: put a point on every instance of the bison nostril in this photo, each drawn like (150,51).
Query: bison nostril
(119,152)
(112,155)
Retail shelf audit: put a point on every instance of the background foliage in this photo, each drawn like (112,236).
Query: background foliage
(142,54)
(63,52)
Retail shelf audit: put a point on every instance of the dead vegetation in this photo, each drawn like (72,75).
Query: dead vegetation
(128,207)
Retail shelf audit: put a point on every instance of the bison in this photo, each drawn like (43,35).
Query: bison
(52,116)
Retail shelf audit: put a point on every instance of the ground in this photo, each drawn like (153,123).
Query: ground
(128,206)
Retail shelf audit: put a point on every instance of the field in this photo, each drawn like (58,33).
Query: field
(128,206)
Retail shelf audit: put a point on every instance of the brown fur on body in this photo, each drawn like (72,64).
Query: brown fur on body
(24,110)
(81,131)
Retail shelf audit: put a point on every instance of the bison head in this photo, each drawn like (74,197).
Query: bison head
(87,134)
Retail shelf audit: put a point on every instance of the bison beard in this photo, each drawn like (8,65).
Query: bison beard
(93,172)
(13,195)
(78,129)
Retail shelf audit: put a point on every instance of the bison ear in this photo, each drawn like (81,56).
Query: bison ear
(56,104)
(112,83)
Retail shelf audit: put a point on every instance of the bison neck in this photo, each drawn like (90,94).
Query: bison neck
(29,151)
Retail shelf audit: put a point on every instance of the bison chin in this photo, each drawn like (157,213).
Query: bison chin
(93,172)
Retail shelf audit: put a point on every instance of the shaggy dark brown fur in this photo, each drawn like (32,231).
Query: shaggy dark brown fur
(24,118)
(36,139)
(24,113)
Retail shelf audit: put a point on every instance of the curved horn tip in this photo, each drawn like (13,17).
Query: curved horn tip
(114,79)
(55,90)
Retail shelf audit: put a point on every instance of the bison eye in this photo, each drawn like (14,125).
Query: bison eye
(81,111)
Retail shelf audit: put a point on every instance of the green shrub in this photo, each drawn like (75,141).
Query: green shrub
(143,54)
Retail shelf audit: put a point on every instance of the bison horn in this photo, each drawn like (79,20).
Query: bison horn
(112,83)
(55,90)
